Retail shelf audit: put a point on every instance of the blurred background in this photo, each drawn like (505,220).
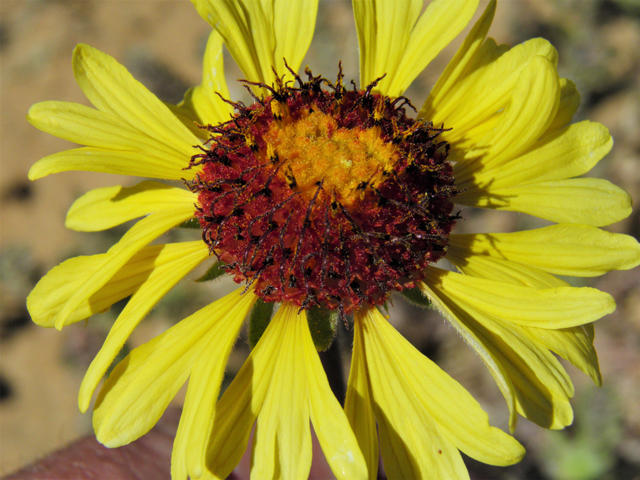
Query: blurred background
(161,42)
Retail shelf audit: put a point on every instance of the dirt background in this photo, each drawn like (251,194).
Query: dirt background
(161,42)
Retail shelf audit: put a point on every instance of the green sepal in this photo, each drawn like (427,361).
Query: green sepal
(259,320)
(192,223)
(216,270)
(415,297)
(323,325)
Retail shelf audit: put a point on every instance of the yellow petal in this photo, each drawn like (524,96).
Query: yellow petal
(132,132)
(119,162)
(480,344)
(245,31)
(441,22)
(112,89)
(530,353)
(392,42)
(105,208)
(204,386)
(455,411)
(477,264)
(590,201)
(484,86)
(241,403)
(282,442)
(275,385)
(188,118)
(293,27)
(384,30)
(558,307)
(532,107)
(132,242)
(540,385)
(536,400)
(152,272)
(365,18)
(566,153)
(575,250)
(359,404)
(569,103)
(94,128)
(338,441)
(259,35)
(466,136)
(573,344)
(204,101)
(54,289)
(412,443)
(141,386)
(459,66)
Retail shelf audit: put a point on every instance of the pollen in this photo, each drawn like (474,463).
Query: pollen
(321,195)
(314,148)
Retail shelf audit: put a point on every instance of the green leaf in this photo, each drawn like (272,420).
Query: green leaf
(323,326)
(260,318)
(216,270)
(415,297)
(192,223)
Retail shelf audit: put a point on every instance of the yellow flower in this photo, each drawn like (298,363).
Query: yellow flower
(326,200)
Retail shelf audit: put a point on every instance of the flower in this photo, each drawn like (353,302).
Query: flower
(326,200)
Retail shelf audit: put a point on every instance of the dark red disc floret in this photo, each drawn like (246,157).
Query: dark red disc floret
(319,244)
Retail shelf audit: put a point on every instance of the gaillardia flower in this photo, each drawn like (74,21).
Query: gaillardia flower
(325,199)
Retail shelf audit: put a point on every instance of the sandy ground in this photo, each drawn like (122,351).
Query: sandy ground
(161,42)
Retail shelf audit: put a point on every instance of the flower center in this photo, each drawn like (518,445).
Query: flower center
(315,148)
(325,196)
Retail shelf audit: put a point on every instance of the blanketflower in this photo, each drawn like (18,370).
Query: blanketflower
(325,200)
